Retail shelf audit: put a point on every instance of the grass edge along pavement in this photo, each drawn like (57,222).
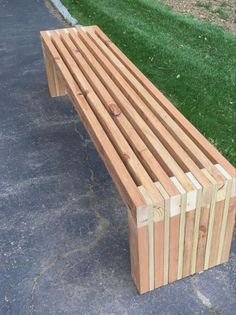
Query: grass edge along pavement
(190,61)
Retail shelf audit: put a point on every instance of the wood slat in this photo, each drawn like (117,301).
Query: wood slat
(150,228)
(224,220)
(150,163)
(139,255)
(188,242)
(202,240)
(216,233)
(209,150)
(196,231)
(174,248)
(114,164)
(172,126)
(57,87)
(165,135)
(166,234)
(211,219)
(129,158)
(229,230)
(151,140)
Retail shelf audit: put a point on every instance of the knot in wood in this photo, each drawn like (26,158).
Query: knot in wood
(108,41)
(79,93)
(126,156)
(86,93)
(77,52)
(114,109)
(203,229)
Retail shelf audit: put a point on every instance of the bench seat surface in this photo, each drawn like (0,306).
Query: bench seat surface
(180,191)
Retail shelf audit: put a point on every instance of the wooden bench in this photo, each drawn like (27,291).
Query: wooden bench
(179,190)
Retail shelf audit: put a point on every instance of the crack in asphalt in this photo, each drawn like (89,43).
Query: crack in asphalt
(104,224)
(205,301)
(85,143)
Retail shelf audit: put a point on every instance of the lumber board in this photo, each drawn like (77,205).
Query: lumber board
(137,120)
(174,248)
(122,146)
(174,128)
(216,233)
(118,171)
(153,167)
(229,230)
(211,152)
(56,85)
(139,254)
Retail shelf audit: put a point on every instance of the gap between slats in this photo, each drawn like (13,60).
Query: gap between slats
(165,137)
(129,158)
(103,100)
(158,144)
(122,178)
(207,148)
(186,143)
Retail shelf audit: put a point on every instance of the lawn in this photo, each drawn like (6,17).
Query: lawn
(192,62)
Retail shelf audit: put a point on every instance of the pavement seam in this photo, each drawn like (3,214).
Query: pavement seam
(205,301)
(102,231)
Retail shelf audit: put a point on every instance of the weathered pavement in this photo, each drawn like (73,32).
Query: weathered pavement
(63,229)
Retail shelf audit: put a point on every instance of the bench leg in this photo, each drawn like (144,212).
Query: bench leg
(138,240)
(56,84)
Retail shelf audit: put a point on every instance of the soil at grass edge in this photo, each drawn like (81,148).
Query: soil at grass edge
(220,12)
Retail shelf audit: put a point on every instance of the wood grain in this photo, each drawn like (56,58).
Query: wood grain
(179,190)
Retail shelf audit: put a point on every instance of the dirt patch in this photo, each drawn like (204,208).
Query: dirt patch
(221,12)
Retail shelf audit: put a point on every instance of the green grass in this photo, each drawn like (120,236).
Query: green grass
(192,62)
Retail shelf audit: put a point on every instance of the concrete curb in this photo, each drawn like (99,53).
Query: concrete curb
(64,12)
